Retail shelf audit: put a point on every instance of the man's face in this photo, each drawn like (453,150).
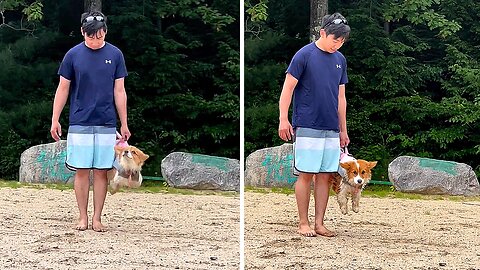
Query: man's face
(330,43)
(96,40)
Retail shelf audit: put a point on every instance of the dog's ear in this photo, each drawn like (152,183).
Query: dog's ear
(143,156)
(119,149)
(371,164)
(345,165)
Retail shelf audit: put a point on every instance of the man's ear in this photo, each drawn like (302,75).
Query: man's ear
(323,34)
(81,31)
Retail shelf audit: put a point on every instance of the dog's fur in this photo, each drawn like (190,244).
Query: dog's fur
(131,160)
(354,176)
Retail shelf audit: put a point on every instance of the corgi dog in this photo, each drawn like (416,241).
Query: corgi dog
(352,177)
(128,164)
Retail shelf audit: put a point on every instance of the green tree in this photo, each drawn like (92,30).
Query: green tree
(183,83)
(413,78)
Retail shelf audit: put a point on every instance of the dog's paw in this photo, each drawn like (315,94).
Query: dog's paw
(344,210)
(355,209)
(113,188)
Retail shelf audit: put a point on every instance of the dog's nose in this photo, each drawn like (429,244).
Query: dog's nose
(359,181)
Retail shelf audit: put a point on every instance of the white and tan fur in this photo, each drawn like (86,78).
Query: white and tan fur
(131,160)
(352,177)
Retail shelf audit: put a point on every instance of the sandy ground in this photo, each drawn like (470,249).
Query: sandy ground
(147,231)
(386,234)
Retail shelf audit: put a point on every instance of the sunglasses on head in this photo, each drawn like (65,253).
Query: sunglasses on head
(336,21)
(93,18)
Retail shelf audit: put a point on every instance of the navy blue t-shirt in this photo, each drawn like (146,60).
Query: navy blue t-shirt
(315,97)
(92,75)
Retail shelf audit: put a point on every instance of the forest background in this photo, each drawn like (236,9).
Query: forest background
(413,68)
(183,59)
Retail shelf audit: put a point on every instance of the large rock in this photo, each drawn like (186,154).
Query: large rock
(195,171)
(270,167)
(45,163)
(431,176)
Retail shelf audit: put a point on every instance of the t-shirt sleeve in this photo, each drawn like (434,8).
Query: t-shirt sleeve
(66,67)
(344,78)
(297,65)
(121,69)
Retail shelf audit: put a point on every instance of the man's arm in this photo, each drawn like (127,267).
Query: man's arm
(121,105)
(61,97)
(285,130)
(342,116)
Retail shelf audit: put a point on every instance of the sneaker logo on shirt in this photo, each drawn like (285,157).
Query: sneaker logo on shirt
(339,66)
(108,61)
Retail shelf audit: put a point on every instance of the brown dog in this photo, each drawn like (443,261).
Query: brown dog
(352,177)
(130,160)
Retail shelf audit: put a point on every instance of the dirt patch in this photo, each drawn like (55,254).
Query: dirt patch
(146,231)
(387,234)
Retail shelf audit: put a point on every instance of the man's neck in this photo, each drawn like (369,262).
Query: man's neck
(93,48)
(319,44)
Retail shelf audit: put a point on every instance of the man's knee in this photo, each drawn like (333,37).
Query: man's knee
(82,174)
(305,177)
(100,174)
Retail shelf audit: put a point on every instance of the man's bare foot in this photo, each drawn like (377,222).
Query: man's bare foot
(82,224)
(306,231)
(321,230)
(98,226)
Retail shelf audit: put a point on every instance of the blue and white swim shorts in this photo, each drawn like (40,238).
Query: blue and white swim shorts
(316,151)
(90,147)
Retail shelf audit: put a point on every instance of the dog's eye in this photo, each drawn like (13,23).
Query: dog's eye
(355,173)
(134,152)
(363,172)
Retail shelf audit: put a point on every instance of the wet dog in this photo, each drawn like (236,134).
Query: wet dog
(127,169)
(352,177)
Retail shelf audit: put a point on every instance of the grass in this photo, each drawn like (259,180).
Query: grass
(147,187)
(375,191)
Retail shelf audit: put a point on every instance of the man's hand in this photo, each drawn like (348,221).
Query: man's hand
(285,130)
(344,140)
(56,131)
(125,133)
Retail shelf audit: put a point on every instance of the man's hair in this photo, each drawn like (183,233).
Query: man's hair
(338,30)
(92,26)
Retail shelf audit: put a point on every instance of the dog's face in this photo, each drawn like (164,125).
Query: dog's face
(359,171)
(130,157)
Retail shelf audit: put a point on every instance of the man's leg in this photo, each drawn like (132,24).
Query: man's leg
(100,184)
(302,194)
(320,193)
(82,186)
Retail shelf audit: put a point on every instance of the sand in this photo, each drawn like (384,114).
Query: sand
(146,231)
(387,234)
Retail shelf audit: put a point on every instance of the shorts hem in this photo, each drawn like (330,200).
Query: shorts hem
(73,168)
(297,172)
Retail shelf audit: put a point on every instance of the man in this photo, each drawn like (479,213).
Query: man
(92,73)
(316,78)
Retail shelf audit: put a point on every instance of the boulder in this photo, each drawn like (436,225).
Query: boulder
(45,163)
(270,167)
(196,171)
(431,176)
